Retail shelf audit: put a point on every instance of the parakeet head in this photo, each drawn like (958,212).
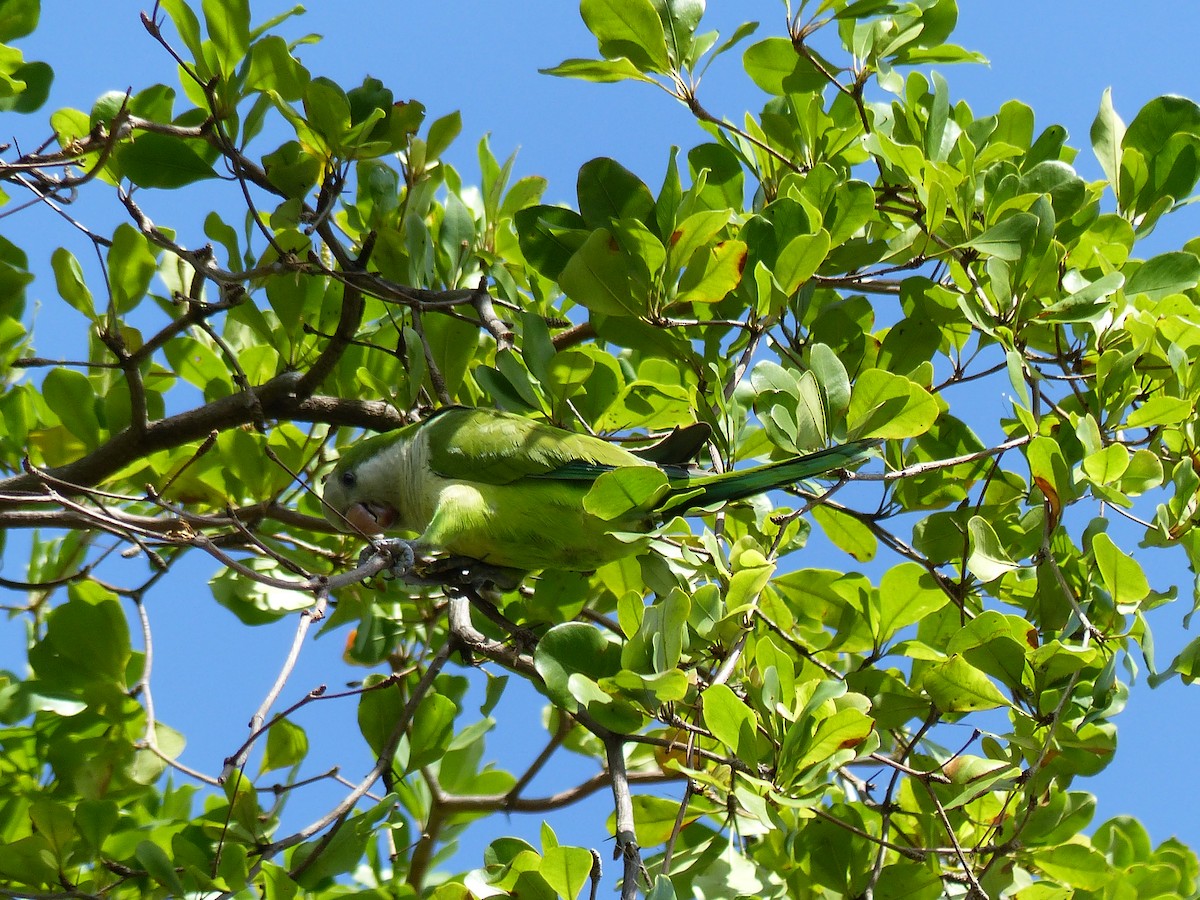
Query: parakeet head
(360,492)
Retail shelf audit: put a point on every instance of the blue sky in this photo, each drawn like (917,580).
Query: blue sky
(482,58)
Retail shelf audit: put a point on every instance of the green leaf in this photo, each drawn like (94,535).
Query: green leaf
(730,720)
(96,820)
(886,405)
(694,232)
(753,573)
(1076,865)
(273,68)
(723,187)
(549,237)
(292,169)
(228,24)
(431,732)
(1156,122)
(988,559)
(628,28)
(336,853)
(640,244)
(775,66)
(71,397)
(1050,473)
(996,644)
(1145,473)
(18,19)
(608,191)
(832,377)
(651,691)
(568,372)
(1107,465)
(155,160)
(379,710)
(36,78)
(846,532)
(327,109)
(131,266)
(442,133)
(1161,411)
(597,276)
(253,602)
(54,821)
(601,71)
(1009,240)
(712,274)
(1170,273)
(908,881)
(654,818)
(1108,132)
(287,745)
(844,730)
(1123,577)
(907,594)
(680,19)
(566,869)
(159,866)
(186,24)
(800,258)
(1086,304)
(574,648)
(87,639)
(957,686)
(631,489)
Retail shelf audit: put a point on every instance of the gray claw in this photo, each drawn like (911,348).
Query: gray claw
(400,552)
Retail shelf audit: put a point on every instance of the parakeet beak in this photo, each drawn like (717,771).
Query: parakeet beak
(371,518)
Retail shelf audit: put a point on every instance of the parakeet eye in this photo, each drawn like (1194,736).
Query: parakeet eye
(348,479)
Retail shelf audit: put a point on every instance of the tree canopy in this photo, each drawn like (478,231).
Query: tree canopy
(881,684)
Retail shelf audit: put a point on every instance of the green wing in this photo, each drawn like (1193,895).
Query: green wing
(493,447)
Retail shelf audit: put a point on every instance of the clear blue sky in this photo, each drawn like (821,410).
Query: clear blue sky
(482,58)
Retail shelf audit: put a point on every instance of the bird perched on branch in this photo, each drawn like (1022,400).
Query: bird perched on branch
(521,495)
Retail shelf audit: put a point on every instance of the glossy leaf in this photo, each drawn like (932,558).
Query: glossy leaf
(630,29)
(956,686)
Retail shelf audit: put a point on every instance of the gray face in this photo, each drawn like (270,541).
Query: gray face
(348,508)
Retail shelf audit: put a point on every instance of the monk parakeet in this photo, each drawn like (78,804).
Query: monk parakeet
(509,492)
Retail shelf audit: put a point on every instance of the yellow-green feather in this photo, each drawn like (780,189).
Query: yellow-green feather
(509,491)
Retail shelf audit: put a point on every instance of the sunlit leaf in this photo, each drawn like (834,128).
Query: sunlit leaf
(956,686)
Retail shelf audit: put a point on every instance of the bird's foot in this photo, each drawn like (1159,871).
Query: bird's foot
(400,553)
(407,566)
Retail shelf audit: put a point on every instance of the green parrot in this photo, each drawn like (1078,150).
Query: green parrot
(509,492)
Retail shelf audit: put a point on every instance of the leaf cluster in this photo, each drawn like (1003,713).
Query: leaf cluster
(864,257)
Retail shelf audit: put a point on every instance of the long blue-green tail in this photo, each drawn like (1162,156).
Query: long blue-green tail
(729,486)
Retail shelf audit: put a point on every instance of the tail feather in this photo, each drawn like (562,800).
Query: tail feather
(737,485)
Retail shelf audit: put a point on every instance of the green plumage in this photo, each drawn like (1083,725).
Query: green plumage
(510,492)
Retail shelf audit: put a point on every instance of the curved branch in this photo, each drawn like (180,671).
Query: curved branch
(278,399)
